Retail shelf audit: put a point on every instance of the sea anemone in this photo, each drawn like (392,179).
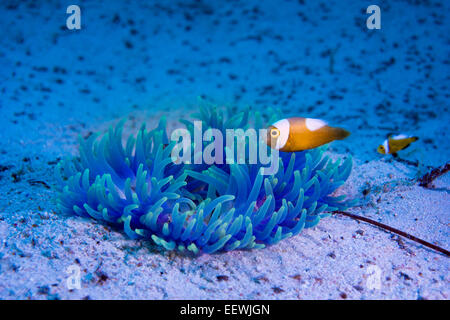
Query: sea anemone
(198,208)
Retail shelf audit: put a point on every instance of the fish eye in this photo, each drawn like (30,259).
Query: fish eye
(274,133)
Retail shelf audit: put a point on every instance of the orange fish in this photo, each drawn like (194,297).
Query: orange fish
(298,134)
(393,144)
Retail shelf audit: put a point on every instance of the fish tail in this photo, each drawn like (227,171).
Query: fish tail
(341,134)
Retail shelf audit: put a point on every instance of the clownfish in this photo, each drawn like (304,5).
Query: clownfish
(393,144)
(298,134)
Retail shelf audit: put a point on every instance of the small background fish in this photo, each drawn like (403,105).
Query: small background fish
(393,144)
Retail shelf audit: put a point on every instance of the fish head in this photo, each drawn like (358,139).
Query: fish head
(278,134)
(381,149)
(273,134)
